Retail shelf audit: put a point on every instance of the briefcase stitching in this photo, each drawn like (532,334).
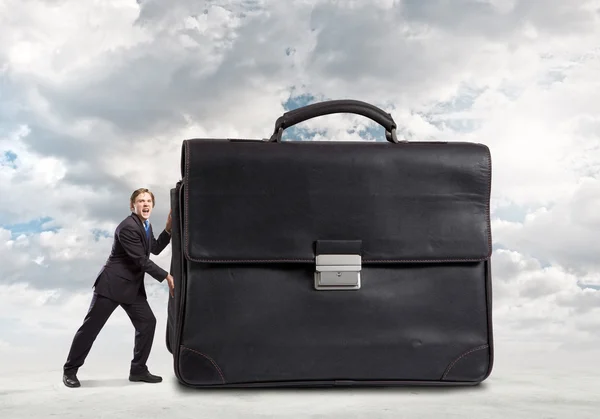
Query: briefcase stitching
(210,359)
(470,351)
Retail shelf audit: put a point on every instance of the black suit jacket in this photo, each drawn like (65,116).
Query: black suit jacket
(122,276)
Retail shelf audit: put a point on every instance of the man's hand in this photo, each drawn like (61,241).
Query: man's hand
(168,225)
(171,284)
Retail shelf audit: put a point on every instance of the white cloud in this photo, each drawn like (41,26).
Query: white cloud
(68,259)
(40,42)
(564,234)
(543,306)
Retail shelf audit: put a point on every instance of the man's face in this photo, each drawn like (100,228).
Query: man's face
(143,205)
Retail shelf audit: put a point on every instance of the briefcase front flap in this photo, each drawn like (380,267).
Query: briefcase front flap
(253,201)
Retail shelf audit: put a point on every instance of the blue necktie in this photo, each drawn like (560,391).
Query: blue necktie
(147,227)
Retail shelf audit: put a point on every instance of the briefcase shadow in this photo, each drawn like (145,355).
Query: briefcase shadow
(337,389)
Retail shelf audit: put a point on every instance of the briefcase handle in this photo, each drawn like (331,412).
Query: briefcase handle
(372,112)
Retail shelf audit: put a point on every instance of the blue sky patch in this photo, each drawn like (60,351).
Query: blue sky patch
(462,101)
(498,246)
(98,234)
(31,227)
(297,133)
(295,102)
(590,286)
(373,132)
(511,212)
(8,159)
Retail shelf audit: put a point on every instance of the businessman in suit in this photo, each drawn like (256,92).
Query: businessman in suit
(120,282)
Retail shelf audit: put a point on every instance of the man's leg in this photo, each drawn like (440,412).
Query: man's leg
(144,322)
(98,313)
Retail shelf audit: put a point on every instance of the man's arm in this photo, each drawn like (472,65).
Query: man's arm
(133,246)
(158,245)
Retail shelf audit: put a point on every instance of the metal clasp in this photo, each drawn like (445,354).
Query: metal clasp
(338,272)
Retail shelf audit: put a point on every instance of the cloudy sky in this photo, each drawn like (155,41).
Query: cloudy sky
(96,97)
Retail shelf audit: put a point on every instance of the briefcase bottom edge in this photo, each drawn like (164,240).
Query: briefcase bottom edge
(334,383)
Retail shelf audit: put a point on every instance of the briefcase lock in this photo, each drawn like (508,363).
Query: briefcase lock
(337,272)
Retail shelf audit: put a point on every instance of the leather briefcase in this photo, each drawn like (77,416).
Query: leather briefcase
(326,263)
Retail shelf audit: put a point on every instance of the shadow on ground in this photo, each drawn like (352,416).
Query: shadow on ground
(182,389)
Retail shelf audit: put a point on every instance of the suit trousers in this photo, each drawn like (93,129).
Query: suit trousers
(98,313)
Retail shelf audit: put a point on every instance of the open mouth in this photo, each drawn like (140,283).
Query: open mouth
(145,211)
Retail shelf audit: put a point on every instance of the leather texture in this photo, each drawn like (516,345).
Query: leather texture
(249,219)
(176,269)
(409,202)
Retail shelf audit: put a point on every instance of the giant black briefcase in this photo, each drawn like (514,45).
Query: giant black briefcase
(325,263)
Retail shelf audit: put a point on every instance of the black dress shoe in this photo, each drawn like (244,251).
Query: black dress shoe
(70,380)
(145,377)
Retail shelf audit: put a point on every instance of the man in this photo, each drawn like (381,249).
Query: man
(121,282)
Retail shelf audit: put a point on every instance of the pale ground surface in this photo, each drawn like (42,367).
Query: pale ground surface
(526,383)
